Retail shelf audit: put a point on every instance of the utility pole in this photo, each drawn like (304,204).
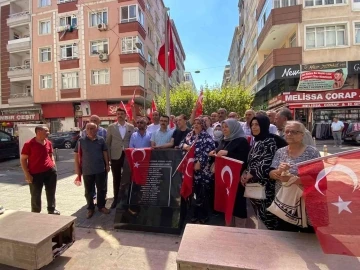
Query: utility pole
(167,90)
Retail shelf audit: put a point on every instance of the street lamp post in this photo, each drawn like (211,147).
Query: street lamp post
(139,46)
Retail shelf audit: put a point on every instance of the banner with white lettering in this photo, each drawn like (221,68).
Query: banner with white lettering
(323,76)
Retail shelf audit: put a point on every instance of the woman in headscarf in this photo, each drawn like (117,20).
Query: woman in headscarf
(258,168)
(203,179)
(235,145)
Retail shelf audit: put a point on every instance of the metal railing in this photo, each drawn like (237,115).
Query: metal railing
(19,14)
(19,67)
(20,95)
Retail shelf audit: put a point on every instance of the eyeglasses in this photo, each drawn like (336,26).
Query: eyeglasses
(292,132)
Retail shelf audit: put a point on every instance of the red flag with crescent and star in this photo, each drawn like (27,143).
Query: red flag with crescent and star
(227,178)
(332,199)
(186,167)
(139,159)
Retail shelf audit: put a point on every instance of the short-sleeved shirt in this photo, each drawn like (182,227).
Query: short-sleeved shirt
(39,156)
(179,135)
(160,137)
(337,126)
(153,128)
(102,132)
(92,155)
(140,141)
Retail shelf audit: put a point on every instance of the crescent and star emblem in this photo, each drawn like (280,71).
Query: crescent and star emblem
(223,171)
(337,168)
(138,150)
(191,160)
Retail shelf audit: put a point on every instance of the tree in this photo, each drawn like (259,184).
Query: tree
(234,98)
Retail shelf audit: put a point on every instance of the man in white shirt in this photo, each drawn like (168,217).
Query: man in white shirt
(337,128)
(155,126)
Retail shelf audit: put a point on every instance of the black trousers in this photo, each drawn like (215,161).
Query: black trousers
(90,181)
(116,167)
(47,179)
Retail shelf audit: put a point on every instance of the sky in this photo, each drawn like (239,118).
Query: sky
(206,29)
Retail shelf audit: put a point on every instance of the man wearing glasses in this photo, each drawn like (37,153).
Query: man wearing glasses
(140,138)
(163,137)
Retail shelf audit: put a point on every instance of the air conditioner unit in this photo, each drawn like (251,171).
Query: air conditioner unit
(103,57)
(78,108)
(102,27)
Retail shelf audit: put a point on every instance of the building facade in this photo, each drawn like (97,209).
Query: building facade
(307,57)
(226,76)
(188,79)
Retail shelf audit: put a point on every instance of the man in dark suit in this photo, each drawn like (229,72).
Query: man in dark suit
(117,139)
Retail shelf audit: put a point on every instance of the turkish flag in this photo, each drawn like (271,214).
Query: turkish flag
(332,199)
(128,110)
(186,167)
(171,51)
(139,160)
(199,105)
(227,177)
(153,109)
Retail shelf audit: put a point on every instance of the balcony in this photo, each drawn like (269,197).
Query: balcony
(19,73)
(132,27)
(280,57)
(130,90)
(67,5)
(281,22)
(18,19)
(20,98)
(68,35)
(132,58)
(21,44)
(69,64)
(70,93)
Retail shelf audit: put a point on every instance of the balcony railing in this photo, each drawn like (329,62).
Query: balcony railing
(19,18)
(19,67)
(17,72)
(20,95)
(20,44)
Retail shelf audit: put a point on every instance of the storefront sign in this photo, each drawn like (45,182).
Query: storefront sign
(20,117)
(341,95)
(354,67)
(112,109)
(323,76)
(109,118)
(275,101)
(287,72)
(322,105)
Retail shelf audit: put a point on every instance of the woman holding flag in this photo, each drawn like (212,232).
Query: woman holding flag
(203,179)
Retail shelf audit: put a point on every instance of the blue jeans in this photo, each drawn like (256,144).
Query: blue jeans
(337,137)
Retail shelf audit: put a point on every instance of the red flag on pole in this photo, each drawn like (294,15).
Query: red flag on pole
(139,160)
(227,177)
(171,52)
(128,110)
(199,105)
(332,198)
(153,109)
(186,167)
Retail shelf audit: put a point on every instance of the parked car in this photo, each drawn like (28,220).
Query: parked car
(65,140)
(9,145)
(352,134)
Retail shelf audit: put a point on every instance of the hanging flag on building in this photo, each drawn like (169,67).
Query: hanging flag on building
(332,198)
(138,160)
(199,105)
(171,51)
(227,178)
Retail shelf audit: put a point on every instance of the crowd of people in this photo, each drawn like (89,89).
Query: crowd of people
(270,144)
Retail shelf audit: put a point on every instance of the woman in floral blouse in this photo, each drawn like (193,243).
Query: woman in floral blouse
(203,179)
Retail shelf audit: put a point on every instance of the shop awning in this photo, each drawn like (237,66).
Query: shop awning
(99,108)
(58,110)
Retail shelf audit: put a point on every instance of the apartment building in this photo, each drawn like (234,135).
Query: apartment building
(296,39)
(188,79)
(17,102)
(89,55)
(226,76)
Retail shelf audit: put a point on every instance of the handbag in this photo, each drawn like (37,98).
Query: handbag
(289,204)
(255,191)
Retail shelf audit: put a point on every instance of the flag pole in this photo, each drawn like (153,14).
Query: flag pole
(167,63)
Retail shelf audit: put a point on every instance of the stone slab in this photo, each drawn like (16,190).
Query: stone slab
(212,247)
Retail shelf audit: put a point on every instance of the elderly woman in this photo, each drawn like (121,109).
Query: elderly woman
(258,168)
(235,145)
(218,134)
(286,160)
(203,179)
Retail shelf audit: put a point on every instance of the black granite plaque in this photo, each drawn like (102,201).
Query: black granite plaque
(156,205)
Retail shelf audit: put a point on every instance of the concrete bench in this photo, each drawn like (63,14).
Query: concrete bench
(212,247)
(31,240)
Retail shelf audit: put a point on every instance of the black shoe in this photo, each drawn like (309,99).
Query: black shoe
(55,212)
(113,205)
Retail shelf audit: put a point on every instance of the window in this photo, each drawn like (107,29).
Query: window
(44,3)
(99,46)
(133,76)
(131,14)
(128,45)
(254,69)
(64,1)
(264,15)
(44,27)
(4,137)
(326,36)
(70,80)
(254,41)
(292,41)
(151,58)
(69,51)
(45,55)
(100,76)
(311,3)
(356,4)
(98,17)
(357,33)
(151,85)
(284,3)
(45,81)
(68,20)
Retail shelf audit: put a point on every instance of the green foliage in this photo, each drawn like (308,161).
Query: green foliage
(233,98)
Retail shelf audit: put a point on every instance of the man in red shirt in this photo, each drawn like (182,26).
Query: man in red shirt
(38,164)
